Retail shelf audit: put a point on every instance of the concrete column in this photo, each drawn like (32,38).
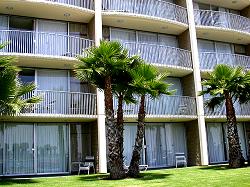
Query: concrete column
(102,156)
(197,84)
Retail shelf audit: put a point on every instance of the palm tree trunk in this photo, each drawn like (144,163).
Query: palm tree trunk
(136,156)
(235,154)
(115,163)
(120,127)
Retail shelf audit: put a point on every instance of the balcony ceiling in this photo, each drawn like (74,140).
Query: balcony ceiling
(223,118)
(143,22)
(232,4)
(161,118)
(36,61)
(223,35)
(46,9)
(49,118)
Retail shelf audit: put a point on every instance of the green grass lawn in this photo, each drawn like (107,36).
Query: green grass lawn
(191,176)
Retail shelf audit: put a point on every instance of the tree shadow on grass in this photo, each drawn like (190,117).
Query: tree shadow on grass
(17,181)
(153,176)
(143,176)
(217,167)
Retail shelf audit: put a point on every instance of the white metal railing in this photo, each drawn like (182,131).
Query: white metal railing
(222,19)
(155,8)
(43,43)
(164,105)
(208,60)
(89,4)
(240,110)
(160,54)
(62,102)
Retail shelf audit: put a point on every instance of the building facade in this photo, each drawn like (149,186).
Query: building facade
(186,38)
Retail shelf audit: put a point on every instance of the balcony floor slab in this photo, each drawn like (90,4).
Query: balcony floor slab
(46,9)
(143,22)
(223,34)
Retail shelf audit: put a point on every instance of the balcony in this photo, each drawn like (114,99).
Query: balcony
(208,60)
(30,44)
(149,15)
(222,26)
(68,10)
(171,58)
(62,103)
(165,107)
(242,112)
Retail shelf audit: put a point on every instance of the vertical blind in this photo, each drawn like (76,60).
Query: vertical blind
(162,141)
(25,145)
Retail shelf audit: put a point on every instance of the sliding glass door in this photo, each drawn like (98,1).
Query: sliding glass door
(1,148)
(27,148)
(19,148)
(52,148)
(163,140)
(216,146)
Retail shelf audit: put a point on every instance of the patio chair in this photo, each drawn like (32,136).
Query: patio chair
(87,164)
(180,158)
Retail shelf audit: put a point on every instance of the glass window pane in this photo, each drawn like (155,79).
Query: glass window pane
(27,76)
(21,23)
(123,35)
(1,148)
(80,138)
(3,22)
(52,148)
(19,156)
(77,29)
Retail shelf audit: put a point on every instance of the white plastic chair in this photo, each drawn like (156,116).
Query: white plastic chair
(87,165)
(180,158)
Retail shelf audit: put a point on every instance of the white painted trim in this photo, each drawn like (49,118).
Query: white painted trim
(102,154)
(197,84)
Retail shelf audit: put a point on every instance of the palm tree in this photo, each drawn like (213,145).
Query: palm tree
(124,91)
(12,90)
(99,66)
(146,80)
(228,84)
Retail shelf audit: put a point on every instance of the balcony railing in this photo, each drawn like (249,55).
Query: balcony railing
(89,4)
(240,110)
(62,102)
(222,19)
(154,8)
(42,43)
(163,106)
(160,54)
(208,60)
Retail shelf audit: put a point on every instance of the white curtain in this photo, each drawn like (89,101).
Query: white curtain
(163,140)
(52,37)
(123,35)
(206,46)
(56,80)
(3,26)
(52,148)
(226,49)
(167,105)
(242,137)
(19,155)
(129,141)
(151,144)
(1,147)
(53,80)
(215,139)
